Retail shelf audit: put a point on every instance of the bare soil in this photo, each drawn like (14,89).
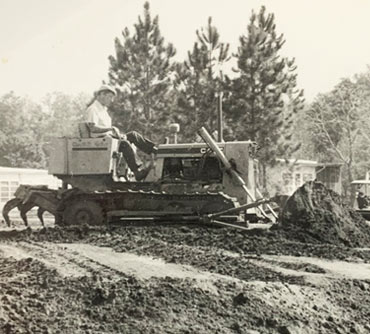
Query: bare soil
(174,278)
(178,279)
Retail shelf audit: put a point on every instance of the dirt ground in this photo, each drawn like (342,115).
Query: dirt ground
(310,273)
(178,279)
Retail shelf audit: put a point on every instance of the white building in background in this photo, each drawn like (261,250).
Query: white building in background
(288,175)
(11,178)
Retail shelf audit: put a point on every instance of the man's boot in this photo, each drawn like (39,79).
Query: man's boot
(142,173)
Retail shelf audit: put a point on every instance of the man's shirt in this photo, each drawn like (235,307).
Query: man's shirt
(98,114)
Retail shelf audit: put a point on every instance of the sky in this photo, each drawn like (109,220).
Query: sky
(63,45)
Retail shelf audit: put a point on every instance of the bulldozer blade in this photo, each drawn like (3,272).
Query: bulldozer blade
(10,205)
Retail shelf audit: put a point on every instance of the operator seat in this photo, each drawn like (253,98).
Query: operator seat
(84,130)
(121,168)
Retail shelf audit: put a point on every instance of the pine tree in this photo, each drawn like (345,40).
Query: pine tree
(199,81)
(264,95)
(140,70)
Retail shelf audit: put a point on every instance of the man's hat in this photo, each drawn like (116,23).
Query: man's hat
(106,88)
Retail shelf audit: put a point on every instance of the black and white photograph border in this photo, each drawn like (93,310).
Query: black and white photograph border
(174,166)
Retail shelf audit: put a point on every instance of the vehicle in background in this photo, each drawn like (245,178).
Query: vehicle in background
(361,200)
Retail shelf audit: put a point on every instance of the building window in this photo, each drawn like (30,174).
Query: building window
(7,190)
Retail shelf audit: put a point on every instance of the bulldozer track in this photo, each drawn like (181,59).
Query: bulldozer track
(93,208)
(76,207)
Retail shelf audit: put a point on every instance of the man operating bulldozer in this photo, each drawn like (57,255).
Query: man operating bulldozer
(99,124)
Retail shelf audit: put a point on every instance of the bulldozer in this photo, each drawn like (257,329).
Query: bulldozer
(211,182)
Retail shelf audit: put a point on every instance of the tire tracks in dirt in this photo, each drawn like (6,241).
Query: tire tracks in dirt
(77,260)
(56,256)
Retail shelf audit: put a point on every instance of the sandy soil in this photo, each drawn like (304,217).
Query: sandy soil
(178,279)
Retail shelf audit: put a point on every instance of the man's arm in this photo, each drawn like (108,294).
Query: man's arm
(98,129)
(113,131)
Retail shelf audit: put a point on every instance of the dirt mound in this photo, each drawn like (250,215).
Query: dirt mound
(314,212)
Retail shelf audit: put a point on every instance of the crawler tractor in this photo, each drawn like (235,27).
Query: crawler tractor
(208,182)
